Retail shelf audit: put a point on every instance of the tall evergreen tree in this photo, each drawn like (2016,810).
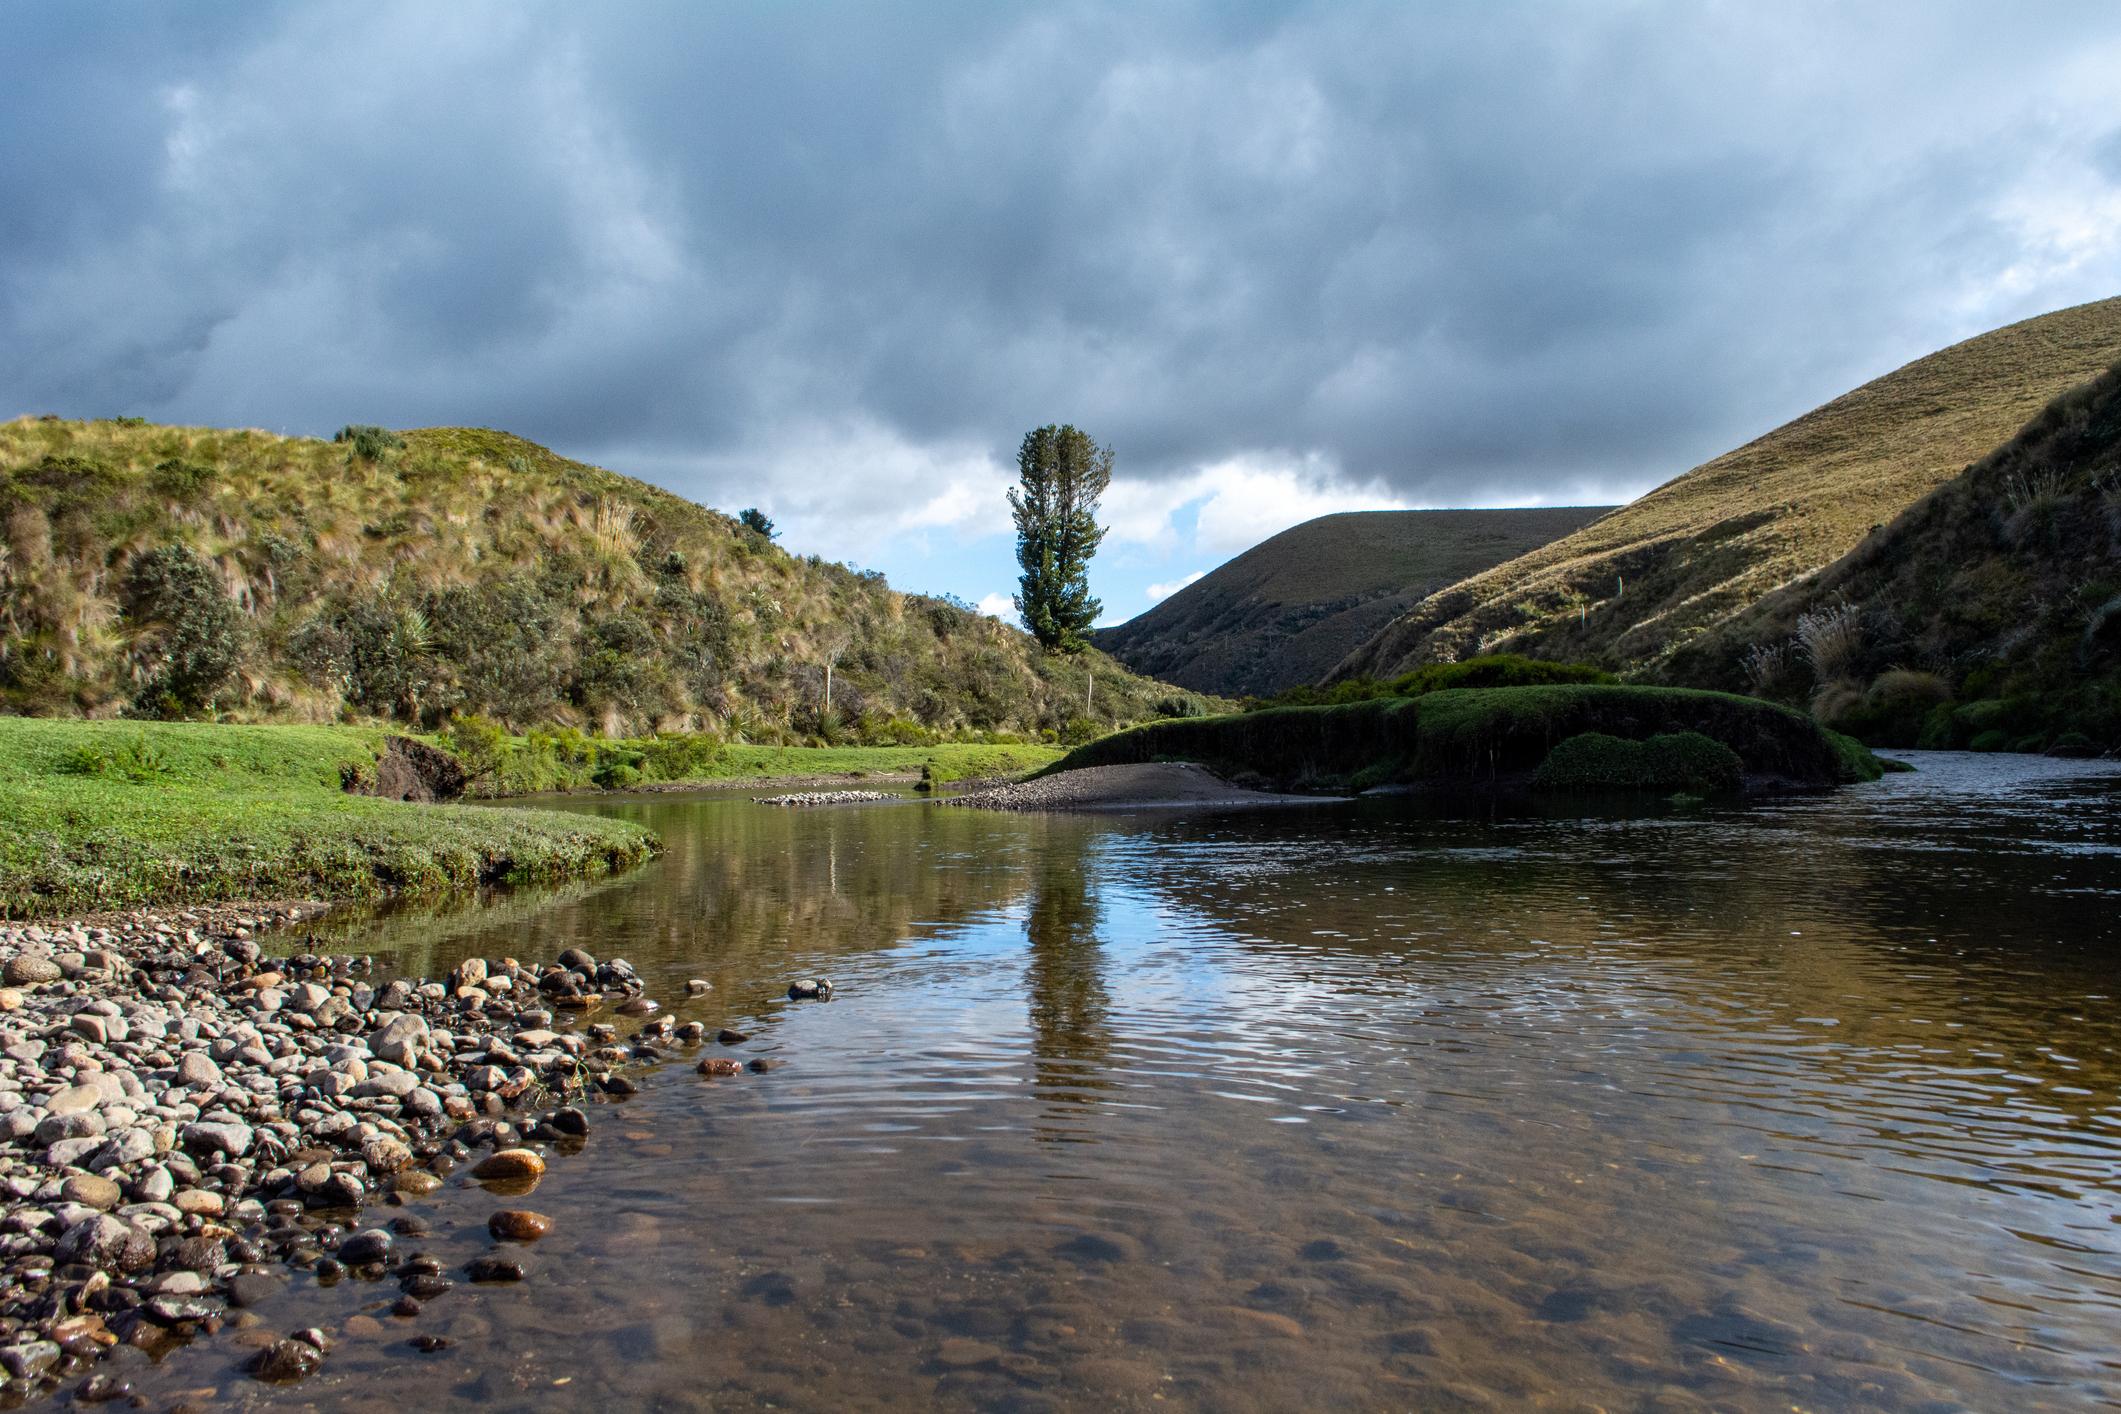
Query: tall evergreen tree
(1062,475)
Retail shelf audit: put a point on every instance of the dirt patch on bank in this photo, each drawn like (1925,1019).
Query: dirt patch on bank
(1151,786)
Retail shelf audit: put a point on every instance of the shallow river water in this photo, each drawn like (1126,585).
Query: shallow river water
(1809,1103)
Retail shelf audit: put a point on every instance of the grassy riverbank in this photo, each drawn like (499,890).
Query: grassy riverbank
(101,815)
(1474,735)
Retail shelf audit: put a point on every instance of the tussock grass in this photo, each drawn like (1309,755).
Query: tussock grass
(102,815)
(1288,609)
(1630,589)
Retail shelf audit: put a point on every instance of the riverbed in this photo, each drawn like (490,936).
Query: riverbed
(1809,1101)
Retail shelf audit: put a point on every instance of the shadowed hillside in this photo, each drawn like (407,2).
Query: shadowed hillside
(1988,614)
(1630,589)
(1288,609)
(173,571)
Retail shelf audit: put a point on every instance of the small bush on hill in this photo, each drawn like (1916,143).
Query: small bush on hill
(369,442)
(1675,761)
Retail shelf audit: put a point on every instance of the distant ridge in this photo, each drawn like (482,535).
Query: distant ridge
(1288,609)
(1633,588)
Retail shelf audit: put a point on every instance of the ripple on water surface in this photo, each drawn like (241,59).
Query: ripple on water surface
(1810,1102)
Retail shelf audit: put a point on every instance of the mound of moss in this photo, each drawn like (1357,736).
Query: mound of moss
(1483,736)
(1674,761)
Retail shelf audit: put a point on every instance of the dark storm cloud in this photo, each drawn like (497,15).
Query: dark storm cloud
(1469,256)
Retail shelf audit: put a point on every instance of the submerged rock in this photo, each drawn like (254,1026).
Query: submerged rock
(518,1225)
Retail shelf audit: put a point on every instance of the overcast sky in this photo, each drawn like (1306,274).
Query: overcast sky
(834,260)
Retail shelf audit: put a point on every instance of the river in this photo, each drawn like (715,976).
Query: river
(1809,1102)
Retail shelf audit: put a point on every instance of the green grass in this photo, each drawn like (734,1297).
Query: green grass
(1288,609)
(1476,735)
(1685,762)
(1648,579)
(105,815)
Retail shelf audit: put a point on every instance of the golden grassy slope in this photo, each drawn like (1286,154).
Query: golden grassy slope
(1630,589)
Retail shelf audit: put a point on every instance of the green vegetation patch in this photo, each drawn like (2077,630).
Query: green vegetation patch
(102,815)
(1674,761)
(1475,735)
(1490,670)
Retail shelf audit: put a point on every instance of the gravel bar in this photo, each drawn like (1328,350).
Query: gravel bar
(182,1117)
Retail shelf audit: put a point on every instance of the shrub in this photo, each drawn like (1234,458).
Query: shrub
(679,757)
(190,633)
(616,773)
(1894,711)
(1079,730)
(369,442)
(477,742)
(757,522)
(1677,761)
(1991,740)
(179,480)
(1180,705)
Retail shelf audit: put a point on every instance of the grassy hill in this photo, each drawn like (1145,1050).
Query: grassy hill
(1288,609)
(1636,587)
(1987,614)
(183,571)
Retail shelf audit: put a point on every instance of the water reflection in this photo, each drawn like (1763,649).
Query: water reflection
(1810,1103)
(1069,1005)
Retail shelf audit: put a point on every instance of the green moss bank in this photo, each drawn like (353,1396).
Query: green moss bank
(102,815)
(1475,736)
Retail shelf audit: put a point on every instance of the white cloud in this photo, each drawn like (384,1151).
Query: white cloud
(1237,502)
(1258,496)
(998,606)
(1165,591)
(843,489)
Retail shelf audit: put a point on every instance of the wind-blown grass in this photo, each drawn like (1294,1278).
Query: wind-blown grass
(102,815)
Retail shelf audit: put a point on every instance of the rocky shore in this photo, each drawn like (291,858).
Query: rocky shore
(825,797)
(183,1117)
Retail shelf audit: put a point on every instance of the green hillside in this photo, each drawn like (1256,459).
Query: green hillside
(1288,609)
(186,571)
(1987,614)
(1632,589)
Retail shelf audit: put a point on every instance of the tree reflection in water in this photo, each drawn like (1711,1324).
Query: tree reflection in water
(1064,982)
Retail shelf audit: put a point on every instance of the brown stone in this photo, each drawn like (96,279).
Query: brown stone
(518,1225)
(510,1165)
